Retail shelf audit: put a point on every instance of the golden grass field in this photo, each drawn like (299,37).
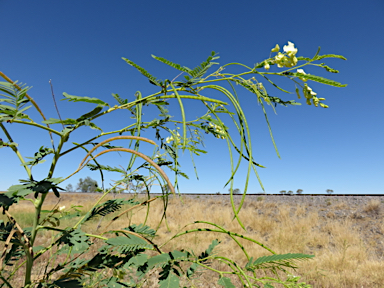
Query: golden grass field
(348,249)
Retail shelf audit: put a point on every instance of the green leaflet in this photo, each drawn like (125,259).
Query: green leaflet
(280,260)
(329,69)
(14,97)
(106,208)
(84,99)
(225,282)
(329,56)
(38,157)
(68,121)
(174,65)
(151,78)
(172,281)
(74,238)
(163,259)
(32,186)
(123,244)
(94,167)
(91,113)
(319,79)
(120,100)
(200,70)
(141,229)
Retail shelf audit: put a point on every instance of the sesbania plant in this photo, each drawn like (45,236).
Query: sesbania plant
(126,257)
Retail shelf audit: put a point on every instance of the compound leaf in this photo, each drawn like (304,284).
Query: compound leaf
(123,244)
(84,99)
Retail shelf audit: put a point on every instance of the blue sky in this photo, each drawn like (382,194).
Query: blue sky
(79,46)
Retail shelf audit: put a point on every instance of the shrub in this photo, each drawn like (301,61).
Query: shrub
(128,255)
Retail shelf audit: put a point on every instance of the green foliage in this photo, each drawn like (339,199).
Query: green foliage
(16,98)
(107,207)
(126,257)
(276,261)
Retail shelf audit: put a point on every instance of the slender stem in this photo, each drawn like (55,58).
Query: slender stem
(38,204)
(37,125)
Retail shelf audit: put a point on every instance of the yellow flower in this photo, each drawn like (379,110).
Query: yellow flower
(301,71)
(266,66)
(61,208)
(323,105)
(276,49)
(280,60)
(291,62)
(169,139)
(308,92)
(290,49)
(315,101)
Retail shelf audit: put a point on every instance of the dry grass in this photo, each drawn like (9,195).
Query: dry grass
(373,207)
(348,253)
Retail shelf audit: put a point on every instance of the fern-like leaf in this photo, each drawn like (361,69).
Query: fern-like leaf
(319,79)
(141,229)
(106,208)
(17,100)
(94,167)
(275,260)
(151,78)
(124,245)
(329,56)
(84,99)
(174,65)
(120,100)
(200,70)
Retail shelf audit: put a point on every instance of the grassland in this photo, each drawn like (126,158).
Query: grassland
(346,239)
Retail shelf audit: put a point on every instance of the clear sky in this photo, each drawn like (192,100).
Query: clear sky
(79,45)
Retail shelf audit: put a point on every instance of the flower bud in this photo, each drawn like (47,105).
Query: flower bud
(266,66)
(276,49)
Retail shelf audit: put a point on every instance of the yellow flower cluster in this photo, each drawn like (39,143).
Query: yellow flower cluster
(301,71)
(311,95)
(218,129)
(286,59)
(170,138)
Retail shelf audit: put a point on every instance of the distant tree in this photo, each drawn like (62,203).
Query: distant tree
(235,191)
(329,191)
(283,192)
(290,192)
(299,191)
(218,193)
(69,188)
(86,185)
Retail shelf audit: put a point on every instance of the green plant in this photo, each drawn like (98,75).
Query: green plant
(283,192)
(126,257)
